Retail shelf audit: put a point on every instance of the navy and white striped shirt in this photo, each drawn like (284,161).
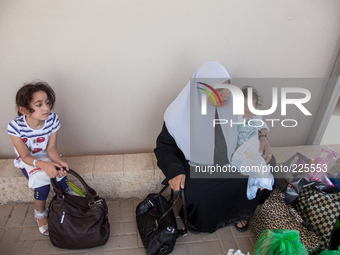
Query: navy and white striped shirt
(35,139)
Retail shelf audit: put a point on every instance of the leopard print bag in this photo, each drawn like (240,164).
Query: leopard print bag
(275,214)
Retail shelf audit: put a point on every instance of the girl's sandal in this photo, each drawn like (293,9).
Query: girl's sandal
(40,215)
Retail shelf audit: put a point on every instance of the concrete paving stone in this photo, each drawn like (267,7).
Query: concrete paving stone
(113,207)
(21,233)
(15,193)
(108,164)
(10,240)
(2,162)
(244,244)
(252,240)
(137,162)
(181,249)
(278,155)
(179,222)
(138,251)
(32,233)
(8,170)
(227,239)
(107,175)
(115,228)
(29,220)
(129,227)
(210,237)
(73,253)
(159,176)
(24,248)
(237,233)
(190,238)
(112,253)
(307,151)
(121,242)
(131,187)
(2,233)
(82,165)
(18,216)
(316,149)
(140,242)
(206,248)
(154,161)
(15,180)
(176,212)
(137,187)
(127,210)
(142,176)
(96,250)
(46,247)
(5,213)
(336,167)
(335,147)
(104,189)
(120,187)
(136,202)
(61,252)
(288,152)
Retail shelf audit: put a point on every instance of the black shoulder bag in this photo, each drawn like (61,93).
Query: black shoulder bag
(156,223)
(77,222)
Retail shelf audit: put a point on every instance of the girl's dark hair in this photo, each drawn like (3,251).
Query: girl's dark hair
(256,95)
(25,94)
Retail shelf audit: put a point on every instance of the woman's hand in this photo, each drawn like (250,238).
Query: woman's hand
(264,146)
(177,182)
(264,131)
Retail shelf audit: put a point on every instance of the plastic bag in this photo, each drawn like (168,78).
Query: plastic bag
(292,190)
(279,242)
(324,160)
(300,171)
(294,168)
(335,179)
(331,252)
(238,252)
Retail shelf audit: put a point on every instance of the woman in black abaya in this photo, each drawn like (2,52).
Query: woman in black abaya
(189,139)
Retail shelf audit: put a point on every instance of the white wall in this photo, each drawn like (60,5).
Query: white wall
(117,65)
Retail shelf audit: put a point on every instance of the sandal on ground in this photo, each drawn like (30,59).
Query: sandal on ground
(40,215)
(242,229)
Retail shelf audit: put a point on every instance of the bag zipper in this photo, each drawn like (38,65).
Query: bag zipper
(62,217)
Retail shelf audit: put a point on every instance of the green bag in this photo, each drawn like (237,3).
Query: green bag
(331,252)
(279,242)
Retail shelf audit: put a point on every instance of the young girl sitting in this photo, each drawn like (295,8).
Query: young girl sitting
(34,136)
(247,158)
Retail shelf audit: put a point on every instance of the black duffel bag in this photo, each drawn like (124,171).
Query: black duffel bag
(156,223)
(76,222)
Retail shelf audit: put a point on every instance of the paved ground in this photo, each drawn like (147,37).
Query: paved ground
(19,235)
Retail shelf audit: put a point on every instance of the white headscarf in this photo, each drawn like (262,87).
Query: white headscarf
(193,132)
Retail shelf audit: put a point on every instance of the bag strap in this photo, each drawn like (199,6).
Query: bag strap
(184,231)
(91,193)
